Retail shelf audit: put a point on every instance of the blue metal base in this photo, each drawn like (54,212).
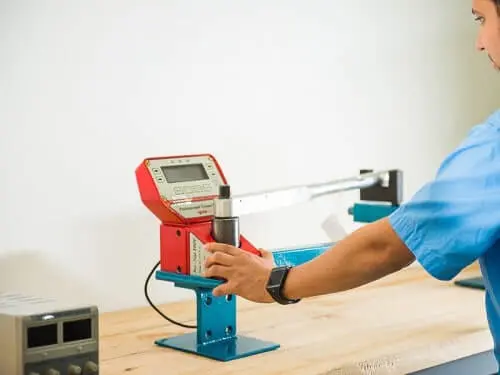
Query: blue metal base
(216,335)
(222,350)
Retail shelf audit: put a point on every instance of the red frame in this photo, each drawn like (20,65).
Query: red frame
(175,229)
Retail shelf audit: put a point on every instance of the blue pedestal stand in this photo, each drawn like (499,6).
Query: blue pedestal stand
(216,335)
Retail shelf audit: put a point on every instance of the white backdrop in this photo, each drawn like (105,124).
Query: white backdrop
(282,92)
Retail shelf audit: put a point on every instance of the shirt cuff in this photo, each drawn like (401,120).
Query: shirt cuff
(431,259)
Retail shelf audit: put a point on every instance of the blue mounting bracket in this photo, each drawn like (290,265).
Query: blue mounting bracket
(370,212)
(216,335)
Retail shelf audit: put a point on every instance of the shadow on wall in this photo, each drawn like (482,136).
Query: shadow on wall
(94,260)
(32,272)
(125,248)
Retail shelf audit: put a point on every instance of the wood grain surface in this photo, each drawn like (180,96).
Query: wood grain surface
(402,323)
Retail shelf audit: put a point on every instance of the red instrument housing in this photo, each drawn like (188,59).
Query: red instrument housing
(184,206)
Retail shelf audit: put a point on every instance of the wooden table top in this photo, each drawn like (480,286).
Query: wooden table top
(403,323)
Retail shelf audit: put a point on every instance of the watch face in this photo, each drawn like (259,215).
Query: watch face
(275,283)
(276,277)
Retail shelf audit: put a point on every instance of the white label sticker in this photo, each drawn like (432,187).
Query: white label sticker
(197,256)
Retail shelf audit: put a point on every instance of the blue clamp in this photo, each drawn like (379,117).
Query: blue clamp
(370,212)
(378,201)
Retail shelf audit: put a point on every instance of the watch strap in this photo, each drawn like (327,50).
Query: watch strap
(275,285)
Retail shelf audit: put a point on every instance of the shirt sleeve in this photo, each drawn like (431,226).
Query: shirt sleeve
(455,218)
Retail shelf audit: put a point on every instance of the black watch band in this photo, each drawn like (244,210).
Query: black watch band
(275,285)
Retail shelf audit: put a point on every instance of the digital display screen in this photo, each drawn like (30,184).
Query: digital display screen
(77,330)
(42,335)
(184,173)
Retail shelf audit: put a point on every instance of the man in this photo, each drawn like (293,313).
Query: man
(451,222)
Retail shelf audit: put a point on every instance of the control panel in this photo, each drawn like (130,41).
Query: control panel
(180,189)
(184,193)
(44,337)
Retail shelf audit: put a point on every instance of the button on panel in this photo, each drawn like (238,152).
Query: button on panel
(74,370)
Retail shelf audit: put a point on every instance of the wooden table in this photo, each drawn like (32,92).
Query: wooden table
(402,323)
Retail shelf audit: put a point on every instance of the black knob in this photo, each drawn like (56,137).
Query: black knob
(224,192)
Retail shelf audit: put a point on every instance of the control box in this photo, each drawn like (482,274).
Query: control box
(44,337)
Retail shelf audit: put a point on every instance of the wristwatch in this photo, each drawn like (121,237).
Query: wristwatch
(275,285)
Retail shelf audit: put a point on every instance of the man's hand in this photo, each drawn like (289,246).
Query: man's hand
(246,273)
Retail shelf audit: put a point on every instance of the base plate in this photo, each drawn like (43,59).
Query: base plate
(221,350)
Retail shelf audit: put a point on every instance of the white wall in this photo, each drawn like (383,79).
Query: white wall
(88,89)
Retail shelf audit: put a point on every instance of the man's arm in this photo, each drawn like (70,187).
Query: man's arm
(448,224)
(368,254)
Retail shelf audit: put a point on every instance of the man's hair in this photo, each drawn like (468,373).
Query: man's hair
(497,3)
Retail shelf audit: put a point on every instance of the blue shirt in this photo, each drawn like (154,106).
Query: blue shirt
(454,219)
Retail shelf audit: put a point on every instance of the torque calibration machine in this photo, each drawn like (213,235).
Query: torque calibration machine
(193,201)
